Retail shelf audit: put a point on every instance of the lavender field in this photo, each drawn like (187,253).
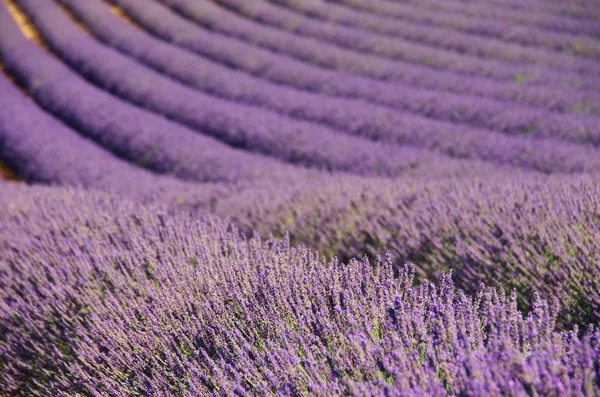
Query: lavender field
(299,198)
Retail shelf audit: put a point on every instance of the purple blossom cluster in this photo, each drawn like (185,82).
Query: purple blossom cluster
(164,304)
(531,234)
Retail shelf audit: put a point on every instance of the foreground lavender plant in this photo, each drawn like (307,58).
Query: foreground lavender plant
(522,232)
(103,297)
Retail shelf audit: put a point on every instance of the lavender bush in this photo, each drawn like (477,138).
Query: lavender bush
(176,306)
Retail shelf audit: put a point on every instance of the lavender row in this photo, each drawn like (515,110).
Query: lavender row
(523,13)
(523,33)
(436,36)
(169,305)
(139,184)
(41,149)
(398,49)
(579,10)
(240,125)
(484,26)
(539,19)
(329,56)
(494,115)
(528,233)
(135,134)
(356,117)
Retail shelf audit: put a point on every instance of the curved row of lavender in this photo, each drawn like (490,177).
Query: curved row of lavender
(515,8)
(132,133)
(237,124)
(480,112)
(40,149)
(163,304)
(480,25)
(324,55)
(520,21)
(352,116)
(433,35)
(437,58)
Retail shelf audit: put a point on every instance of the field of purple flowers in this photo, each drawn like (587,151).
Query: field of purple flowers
(299,198)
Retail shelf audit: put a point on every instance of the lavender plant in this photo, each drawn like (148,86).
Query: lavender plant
(169,305)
